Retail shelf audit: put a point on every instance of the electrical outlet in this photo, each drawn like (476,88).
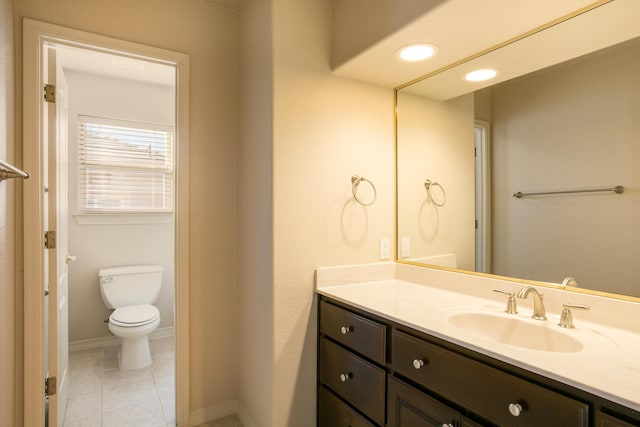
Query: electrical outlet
(385,245)
(405,247)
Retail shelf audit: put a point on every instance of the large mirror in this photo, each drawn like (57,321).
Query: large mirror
(561,118)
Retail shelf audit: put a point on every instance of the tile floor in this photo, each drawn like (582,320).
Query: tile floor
(101,395)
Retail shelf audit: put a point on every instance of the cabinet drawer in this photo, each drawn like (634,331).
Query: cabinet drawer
(333,412)
(362,335)
(604,420)
(359,382)
(484,390)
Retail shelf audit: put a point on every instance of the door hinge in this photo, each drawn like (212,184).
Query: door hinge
(50,239)
(477,224)
(50,386)
(50,93)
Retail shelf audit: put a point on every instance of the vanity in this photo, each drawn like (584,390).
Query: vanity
(502,191)
(401,345)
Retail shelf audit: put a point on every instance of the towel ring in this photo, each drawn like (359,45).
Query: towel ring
(355,182)
(428,185)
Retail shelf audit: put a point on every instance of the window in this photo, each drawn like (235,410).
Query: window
(124,167)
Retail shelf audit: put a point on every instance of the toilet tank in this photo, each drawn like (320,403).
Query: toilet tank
(130,285)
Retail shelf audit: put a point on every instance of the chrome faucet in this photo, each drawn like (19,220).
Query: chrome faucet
(538,305)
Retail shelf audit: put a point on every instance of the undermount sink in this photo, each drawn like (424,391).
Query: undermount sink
(518,332)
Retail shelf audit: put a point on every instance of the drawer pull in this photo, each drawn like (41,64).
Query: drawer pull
(345,330)
(418,363)
(447,425)
(345,377)
(515,409)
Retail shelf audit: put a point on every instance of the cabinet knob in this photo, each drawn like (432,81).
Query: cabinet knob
(515,409)
(345,330)
(418,363)
(345,377)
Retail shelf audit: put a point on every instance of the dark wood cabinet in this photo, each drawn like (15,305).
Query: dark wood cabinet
(494,395)
(375,372)
(354,379)
(336,413)
(606,420)
(409,407)
(351,369)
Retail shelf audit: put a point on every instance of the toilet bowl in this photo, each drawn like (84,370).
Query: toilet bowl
(134,324)
(131,291)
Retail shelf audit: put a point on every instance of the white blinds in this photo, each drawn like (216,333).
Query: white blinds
(124,167)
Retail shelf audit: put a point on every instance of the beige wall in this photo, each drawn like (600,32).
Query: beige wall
(571,127)
(208,34)
(435,141)
(325,129)
(8,283)
(254,205)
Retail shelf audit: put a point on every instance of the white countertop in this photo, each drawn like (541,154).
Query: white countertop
(424,298)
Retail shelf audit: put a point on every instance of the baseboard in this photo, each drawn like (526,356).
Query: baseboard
(214,412)
(113,340)
(244,417)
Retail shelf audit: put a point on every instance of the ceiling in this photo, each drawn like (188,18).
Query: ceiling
(115,66)
(459,29)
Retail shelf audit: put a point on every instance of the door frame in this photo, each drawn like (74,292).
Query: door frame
(35,35)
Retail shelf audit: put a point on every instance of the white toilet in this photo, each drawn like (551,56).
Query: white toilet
(130,291)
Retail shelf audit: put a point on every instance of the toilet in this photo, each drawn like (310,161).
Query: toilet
(131,291)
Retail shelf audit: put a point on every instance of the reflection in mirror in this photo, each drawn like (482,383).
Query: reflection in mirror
(574,125)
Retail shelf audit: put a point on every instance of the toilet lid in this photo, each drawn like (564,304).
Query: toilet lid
(134,315)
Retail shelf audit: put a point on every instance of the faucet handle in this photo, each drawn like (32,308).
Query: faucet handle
(566,318)
(512,308)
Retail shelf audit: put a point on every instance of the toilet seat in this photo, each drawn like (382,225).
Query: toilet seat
(134,316)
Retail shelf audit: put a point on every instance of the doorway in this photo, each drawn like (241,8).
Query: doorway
(482,147)
(48,47)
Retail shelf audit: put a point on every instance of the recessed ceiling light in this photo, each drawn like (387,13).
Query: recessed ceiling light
(481,75)
(416,52)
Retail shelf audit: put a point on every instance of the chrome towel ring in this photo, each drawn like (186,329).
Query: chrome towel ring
(355,182)
(428,185)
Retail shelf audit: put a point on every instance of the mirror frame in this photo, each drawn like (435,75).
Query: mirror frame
(396,166)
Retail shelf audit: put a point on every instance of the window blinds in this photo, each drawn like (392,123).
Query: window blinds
(124,167)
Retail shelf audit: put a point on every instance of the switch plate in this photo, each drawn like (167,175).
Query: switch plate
(385,245)
(405,247)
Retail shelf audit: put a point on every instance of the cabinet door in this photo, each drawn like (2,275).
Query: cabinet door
(408,407)
(604,420)
(333,412)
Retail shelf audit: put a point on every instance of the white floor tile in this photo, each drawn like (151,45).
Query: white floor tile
(114,377)
(84,384)
(123,395)
(83,406)
(93,421)
(92,353)
(163,368)
(102,395)
(166,385)
(169,407)
(147,414)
